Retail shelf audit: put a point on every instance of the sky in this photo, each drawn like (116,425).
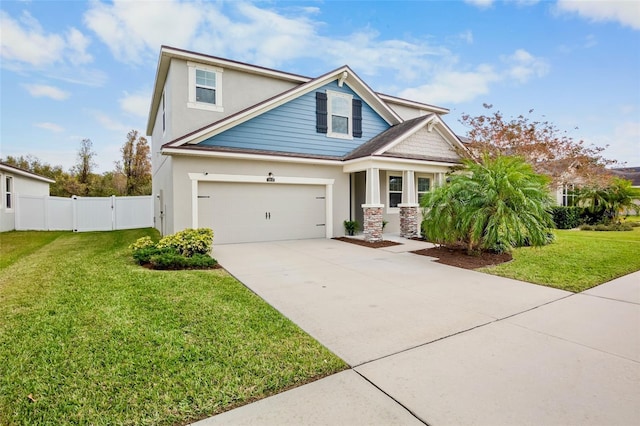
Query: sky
(71,70)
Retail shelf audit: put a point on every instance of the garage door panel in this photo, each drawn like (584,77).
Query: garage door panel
(245,212)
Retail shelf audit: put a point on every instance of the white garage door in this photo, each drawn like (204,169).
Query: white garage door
(248,212)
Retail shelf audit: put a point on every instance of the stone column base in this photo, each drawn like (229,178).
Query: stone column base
(408,221)
(372,223)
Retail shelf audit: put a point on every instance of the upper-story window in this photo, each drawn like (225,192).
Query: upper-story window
(164,121)
(338,115)
(8,192)
(205,87)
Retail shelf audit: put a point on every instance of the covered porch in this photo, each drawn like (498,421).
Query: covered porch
(385,194)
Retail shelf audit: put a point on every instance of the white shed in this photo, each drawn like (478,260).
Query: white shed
(14,181)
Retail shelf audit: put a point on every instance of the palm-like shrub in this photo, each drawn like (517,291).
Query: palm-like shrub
(496,204)
(606,203)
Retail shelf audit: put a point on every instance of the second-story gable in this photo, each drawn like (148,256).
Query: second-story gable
(331,121)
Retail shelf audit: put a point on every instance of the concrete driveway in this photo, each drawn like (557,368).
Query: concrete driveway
(433,344)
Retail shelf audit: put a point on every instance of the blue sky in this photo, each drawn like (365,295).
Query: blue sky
(72,70)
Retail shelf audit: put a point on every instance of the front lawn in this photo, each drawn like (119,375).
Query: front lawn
(577,261)
(88,337)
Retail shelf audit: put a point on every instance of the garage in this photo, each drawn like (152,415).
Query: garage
(241,212)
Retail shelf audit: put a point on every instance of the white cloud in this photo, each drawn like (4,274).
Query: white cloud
(482,4)
(26,42)
(626,13)
(77,44)
(50,126)
(109,123)
(449,86)
(523,66)
(41,90)
(130,28)
(136,104)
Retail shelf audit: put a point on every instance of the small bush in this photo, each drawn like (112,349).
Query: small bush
(610,227)
(173,260)
(567,217)
(143,256)
(189,241)
(142,243)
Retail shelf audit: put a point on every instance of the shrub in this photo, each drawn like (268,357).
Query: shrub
(189,241)
(142,243)
(173,260)
(610,227)
(143,255)
(567,217)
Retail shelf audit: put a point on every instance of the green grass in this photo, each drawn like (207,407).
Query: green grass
(96,339)
(577,261)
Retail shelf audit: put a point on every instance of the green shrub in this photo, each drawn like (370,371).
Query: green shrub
(143,255)
(142,243)
(567,217)
(610,227)
(189,241)
(173,260)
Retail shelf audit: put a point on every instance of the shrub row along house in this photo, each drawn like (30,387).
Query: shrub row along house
(258,154)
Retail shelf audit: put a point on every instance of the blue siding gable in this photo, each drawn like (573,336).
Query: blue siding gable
(292,128)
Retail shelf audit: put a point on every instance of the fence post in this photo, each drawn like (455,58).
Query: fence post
(74,209)
(113,213)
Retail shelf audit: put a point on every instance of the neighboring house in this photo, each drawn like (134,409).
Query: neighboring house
(258,154)
(632,174)
(14,182)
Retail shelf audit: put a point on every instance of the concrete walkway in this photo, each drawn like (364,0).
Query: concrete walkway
(433,344)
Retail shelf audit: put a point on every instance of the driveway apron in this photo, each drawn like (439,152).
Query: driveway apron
(443,345)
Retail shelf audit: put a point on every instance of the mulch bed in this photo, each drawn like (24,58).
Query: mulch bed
(459,257)
(364,243)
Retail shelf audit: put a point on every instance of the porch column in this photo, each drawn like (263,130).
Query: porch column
(409,206)
(372,226)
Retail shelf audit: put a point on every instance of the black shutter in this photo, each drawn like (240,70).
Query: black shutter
(357,118)
(321,112)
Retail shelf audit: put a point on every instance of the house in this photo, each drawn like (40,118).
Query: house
(14,182)
(259,154)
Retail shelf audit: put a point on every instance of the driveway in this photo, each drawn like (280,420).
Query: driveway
(433,344)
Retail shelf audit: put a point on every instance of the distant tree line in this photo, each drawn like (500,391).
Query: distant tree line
(130,176)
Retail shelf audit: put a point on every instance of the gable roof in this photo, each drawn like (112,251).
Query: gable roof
(381,144)
(168,52)
(25,173)
(628,173)
(343,74)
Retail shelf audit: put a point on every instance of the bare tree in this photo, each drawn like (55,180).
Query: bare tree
(136,164)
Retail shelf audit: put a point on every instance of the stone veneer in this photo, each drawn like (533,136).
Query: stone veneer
(372,224)
(408,221)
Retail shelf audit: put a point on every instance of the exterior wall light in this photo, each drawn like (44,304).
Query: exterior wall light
(271,178)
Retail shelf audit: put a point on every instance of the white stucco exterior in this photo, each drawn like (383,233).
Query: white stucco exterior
(14,182)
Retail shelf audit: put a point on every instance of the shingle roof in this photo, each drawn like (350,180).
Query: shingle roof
(629,173)
(386,137)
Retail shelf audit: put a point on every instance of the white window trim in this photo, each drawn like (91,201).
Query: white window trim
(422,175)
(349,98)
(164,113)
(393,210)
(192,88)
(6,192)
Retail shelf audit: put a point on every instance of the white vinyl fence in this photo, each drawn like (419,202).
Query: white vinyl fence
(82,214)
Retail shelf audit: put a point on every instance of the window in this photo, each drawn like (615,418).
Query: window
(424,185)
(8,191)
(205,87)
(395,190)
(339,112)
(164,123)
(569,195)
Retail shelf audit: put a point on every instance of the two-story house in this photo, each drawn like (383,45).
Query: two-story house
(258,154)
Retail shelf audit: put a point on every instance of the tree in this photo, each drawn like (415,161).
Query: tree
(496,204)
(136,164)
(82,171)
(605,204)
(548,150)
